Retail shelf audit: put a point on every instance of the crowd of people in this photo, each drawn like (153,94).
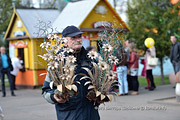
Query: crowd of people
(127,69)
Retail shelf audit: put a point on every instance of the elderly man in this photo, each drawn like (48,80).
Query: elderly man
(5,68)
(77,107)
(175,54)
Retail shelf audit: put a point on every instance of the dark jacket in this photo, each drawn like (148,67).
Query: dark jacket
(77,107)
(175,52)
(122,57)
(9,62)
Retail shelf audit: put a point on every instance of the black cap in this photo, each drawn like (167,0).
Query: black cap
(71,31)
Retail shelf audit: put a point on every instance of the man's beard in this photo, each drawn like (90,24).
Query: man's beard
(78,43)
(77,49)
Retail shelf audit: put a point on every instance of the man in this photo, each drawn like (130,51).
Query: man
(16,66)
(126,45)
(175,54)
(77,107)
(5,68)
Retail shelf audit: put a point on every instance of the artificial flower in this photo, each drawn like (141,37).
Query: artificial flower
(107,47)
(93,54)
(102,65)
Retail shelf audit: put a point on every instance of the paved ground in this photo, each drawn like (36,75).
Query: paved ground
(29,105)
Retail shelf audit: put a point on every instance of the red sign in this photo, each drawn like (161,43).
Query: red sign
(20,44)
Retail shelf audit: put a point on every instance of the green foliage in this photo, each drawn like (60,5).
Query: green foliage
(157,80)
(6,10)
(5,14)
(155,19)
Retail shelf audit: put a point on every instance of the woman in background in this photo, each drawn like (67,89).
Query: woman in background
(133,67)
(150,52)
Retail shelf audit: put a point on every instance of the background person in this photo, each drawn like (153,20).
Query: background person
(5,68)
(143,73)
(175,54)
(133,66)
(150,52)
(126,45)
(16,66)
(121,70)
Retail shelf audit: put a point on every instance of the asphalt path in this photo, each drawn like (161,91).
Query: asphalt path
(159,104)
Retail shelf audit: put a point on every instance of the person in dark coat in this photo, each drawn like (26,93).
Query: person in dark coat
(5,68)
(175,54)
(76,107)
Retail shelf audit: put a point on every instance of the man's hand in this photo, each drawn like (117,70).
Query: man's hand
(59,99)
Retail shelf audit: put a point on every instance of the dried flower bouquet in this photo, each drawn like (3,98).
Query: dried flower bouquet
(60,66)
(104,78)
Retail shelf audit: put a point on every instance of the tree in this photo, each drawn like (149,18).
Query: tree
(157,19)
(6,10)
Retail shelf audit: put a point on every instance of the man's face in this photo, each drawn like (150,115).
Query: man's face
(74,42)
(173,39)
(3,50)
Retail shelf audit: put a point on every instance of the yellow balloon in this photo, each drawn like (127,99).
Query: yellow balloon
(149,42)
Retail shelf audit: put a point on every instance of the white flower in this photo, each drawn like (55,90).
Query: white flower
(71,59)
(107,47)
(55,36)
(57,49)
(68,50)
(46,57)
(49,36)
(63,40)
(45,45)
(100,58)
(113,59)
(53,65)
(93,54)
(102,65)
(66,68)
(111,75)
(60,57)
